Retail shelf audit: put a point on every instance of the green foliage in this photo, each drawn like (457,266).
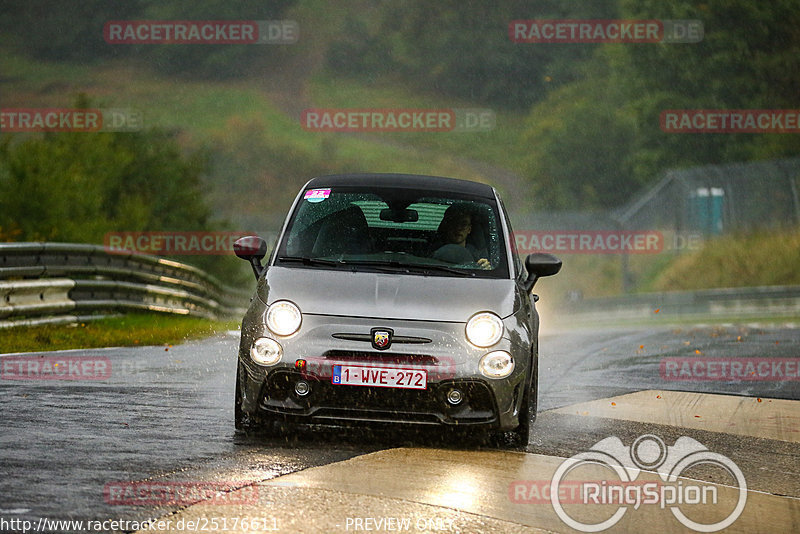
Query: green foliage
(269,170)
(212,61)
(74,31)
(749,59)
(579,142)
(463,49)
(595,142)
(64,30)
(78,186)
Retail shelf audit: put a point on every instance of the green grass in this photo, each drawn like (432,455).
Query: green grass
(204,110)
(689,320)
(124,331)
(499,146)
(757,259)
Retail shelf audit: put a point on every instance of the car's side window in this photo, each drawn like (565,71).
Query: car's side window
(519,269)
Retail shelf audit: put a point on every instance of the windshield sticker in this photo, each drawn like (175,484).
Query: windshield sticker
(317,195)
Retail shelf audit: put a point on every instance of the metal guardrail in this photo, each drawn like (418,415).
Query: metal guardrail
(54,282)
(773,301)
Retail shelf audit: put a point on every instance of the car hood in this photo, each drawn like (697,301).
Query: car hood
(388,296)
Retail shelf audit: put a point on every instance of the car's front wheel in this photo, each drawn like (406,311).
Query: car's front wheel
(527,412)
(242,421)
(521,434)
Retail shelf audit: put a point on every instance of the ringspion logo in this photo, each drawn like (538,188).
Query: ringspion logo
(648,453)
(605,31)
(569,492)
(201,32)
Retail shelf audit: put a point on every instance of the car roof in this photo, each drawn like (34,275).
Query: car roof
(405,181)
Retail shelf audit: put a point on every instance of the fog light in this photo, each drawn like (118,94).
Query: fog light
(266,351)
(454,397)
(497,364)
(302,388)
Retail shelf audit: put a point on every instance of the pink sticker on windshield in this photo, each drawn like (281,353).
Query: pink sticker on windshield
(317,195)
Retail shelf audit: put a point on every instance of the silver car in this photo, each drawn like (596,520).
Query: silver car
(392,298)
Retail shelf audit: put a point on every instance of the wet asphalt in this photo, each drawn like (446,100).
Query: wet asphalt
(165,414)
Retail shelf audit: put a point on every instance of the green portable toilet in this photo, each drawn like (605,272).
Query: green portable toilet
(705,210)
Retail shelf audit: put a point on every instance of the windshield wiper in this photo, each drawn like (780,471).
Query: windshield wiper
(329,263)
(311,261)
(384,265)
(408,266)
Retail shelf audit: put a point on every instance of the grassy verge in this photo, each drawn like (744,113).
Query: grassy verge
(555,322)
(757,259)
(499,146)
(125,331)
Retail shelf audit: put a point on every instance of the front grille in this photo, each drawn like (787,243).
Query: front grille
(328,401)
(367,338)
(382,357)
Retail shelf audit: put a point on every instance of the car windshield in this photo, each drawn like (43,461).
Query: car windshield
(397,230)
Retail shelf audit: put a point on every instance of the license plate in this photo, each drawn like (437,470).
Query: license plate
(385,377)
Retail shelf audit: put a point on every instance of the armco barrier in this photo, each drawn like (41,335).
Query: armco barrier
(772,301)
(43,282)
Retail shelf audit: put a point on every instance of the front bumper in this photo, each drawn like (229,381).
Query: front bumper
(449,360)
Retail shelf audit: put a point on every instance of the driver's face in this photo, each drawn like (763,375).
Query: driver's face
(460,229)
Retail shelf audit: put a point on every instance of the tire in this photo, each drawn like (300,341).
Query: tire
(244,422)
(520,436)
(534,396)
(522,433)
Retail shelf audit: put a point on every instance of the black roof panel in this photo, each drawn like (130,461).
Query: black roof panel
(404,181)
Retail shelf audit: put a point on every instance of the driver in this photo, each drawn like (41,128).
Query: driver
(453,231)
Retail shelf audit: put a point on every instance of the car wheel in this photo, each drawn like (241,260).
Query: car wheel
(534,392)
(519,436)
(242,421)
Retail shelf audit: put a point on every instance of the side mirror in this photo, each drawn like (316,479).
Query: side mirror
(253,249)
(539,265)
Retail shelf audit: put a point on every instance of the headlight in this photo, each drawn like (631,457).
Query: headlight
(484,329)
(266,351)
(497,364)
(283,318)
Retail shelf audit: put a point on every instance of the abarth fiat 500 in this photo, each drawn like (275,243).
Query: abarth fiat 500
(392,298)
